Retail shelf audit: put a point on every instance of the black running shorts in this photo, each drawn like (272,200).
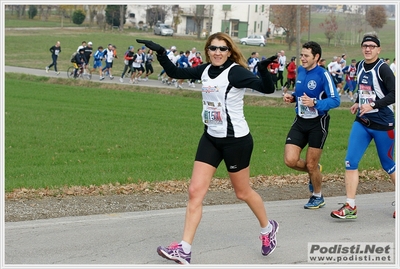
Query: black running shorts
(236,152)
(309,131)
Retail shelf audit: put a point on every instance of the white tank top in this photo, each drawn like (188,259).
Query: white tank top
(222,106)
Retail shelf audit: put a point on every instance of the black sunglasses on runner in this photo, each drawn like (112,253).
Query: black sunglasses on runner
(221,48)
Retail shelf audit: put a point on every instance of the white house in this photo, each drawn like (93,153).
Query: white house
(238,20)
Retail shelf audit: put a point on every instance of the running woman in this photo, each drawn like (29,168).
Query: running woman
(226,136)
(374,120)
(315,94)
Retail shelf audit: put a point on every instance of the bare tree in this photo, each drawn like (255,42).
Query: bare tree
(285,16)
(339,37)
(101,21)
(198,18)
(93,10)
(20,9)
(176,19)
(12,7)
(330,27)
(156,13)
(355,24)
(376,17)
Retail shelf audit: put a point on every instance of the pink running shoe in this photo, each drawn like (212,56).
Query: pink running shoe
(269,240)
(174,252)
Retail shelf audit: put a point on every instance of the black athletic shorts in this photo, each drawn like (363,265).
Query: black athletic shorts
(309,131)
(337,80)
(236,152)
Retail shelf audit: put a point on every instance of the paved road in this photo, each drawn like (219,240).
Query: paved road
(150,83)
(228,234)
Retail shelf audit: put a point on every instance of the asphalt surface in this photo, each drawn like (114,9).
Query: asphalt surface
(150,83)
(227,235)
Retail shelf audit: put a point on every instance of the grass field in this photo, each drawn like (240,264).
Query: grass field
(58,133)
(64,132)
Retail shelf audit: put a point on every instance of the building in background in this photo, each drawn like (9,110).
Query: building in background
(239,20)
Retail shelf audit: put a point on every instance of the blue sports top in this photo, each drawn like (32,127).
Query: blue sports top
(316,83)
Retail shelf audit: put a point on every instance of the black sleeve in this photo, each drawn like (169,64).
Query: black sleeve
(180,73)
(52,49)
(240,77)
(388,81)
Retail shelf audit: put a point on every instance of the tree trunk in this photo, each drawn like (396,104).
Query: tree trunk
(23,10)
(121,18)
(20,11)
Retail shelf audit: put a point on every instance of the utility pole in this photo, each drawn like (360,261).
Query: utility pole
(121,17)
(309,22)
(298,35)
(209,20)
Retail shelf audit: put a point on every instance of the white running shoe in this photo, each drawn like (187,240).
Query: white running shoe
(121,80)
(47,69)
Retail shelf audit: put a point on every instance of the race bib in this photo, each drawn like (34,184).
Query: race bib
(212,116)
(366,96)
(304,111)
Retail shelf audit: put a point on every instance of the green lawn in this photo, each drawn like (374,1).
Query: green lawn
(57,134)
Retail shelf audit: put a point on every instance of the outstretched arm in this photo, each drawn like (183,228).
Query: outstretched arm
(169,67)
(243,78)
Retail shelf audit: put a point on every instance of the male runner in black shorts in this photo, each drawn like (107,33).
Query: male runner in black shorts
(315,95)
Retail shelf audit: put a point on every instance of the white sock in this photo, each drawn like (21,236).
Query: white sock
(351,202)
(317,194)
(186,246)
(268,229)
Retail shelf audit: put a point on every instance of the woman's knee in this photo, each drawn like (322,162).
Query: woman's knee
(244,194)
(197,192)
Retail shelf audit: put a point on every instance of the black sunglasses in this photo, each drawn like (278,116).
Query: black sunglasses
(221,48)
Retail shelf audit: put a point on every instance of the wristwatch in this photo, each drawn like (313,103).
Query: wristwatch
(315,102)
(372,104)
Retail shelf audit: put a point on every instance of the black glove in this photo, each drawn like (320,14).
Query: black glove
(151,45)
(264,63)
